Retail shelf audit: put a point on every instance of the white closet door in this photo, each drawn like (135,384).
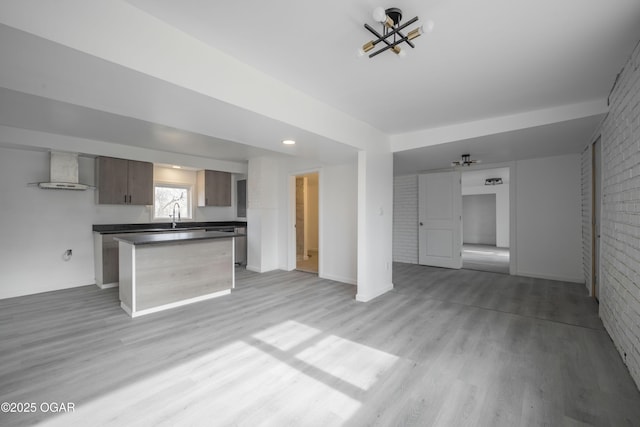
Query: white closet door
(440,219)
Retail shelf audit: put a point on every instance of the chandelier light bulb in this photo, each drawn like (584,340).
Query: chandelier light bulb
(429,26)
(379,14)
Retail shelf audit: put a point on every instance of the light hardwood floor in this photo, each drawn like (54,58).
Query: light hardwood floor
(485,258)
(446,348)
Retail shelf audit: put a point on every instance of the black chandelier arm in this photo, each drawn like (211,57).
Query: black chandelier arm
(409,42)
(381,38)
(389,46)
(392,32)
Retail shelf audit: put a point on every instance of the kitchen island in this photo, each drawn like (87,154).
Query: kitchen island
(164,270)
(106,246)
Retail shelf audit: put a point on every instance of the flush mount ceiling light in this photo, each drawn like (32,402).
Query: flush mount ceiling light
(288,142)
(465,161)
(392,35)
(493,181)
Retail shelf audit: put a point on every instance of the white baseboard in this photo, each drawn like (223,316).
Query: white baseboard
(173,304)
(259,270)
(551,277)
(362,297)
(108,285)
(341,279)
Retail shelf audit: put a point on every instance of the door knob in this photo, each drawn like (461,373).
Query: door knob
(421,224)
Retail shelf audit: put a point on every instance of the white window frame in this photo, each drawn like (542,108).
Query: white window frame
(188,187)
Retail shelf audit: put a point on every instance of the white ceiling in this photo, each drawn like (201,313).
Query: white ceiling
(541,141)
(484,60)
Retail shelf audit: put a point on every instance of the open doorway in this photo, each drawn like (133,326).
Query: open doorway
(485,220)
(306,222)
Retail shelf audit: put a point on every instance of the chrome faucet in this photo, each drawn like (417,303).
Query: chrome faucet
(173,224)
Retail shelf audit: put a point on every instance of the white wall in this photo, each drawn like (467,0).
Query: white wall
(502,208)
(263,212)
(375,223)
(337,232)
(39,225)
(479,219)
(548,218)
(339,212)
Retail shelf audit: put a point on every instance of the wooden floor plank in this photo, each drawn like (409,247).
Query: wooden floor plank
(445,347)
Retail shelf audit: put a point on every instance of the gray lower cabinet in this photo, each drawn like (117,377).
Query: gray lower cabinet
(105,251)
(106,263)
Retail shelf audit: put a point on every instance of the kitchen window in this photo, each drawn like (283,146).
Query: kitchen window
(167,196)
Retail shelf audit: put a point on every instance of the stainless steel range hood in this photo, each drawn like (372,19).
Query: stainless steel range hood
(63,174)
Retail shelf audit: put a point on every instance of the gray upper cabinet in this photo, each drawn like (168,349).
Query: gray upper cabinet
(124,182)
(214,188)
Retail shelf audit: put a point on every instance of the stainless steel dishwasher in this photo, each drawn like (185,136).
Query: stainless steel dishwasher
(241,246)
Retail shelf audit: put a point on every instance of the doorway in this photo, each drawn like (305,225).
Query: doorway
(485,220)
(306,222)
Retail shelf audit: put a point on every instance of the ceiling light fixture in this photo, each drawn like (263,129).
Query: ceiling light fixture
(465,161)
(288,142)
(392,35)
(493,181)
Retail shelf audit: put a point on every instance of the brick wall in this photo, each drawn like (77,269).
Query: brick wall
(405,219)
(620,229)
(587,186)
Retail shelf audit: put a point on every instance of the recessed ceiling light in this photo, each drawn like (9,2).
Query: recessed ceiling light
(176,167)
(288,142)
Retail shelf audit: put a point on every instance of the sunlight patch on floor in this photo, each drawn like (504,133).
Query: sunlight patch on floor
(286,335)
(234,385)
(352,362)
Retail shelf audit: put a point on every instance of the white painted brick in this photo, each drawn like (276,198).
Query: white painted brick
(587,206)
(620,228)
(405,219)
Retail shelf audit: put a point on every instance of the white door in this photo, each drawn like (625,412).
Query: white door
(440,219)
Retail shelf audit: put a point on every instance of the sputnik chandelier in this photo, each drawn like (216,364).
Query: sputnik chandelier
(392,35)
(465,160)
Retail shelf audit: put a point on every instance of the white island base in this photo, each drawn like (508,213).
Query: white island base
(162,274)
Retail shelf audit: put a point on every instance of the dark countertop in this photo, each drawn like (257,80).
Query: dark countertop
(162,226)
(183,236)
